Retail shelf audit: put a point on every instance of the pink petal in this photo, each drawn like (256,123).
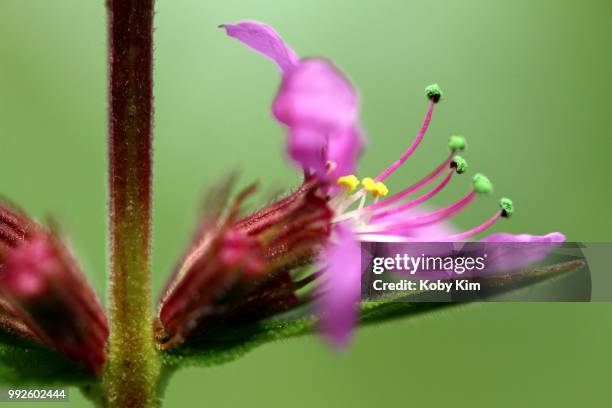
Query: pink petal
(263,39)
(509,252)
(312,149)
(341,289)
(315,101)
(505,237)
(307,147)
(344,150)
(316,95)
(320,108)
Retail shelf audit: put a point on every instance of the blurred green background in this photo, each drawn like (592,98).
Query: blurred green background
(526,82)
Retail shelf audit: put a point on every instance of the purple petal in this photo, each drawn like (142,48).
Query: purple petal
(320,107)
(344,149)
(315,101)
(263,39)
(341,289)
(307,147)
(505,237)
(509,252)
(317,95)
(312,149)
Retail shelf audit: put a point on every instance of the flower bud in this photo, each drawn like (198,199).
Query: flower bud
(44,294)
(237,268)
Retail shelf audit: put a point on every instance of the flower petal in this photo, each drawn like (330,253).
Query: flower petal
(320,107)
(307,147)
(315,94)
(341,288)
(509,252)
(263,39)
(344,150)
(553,237)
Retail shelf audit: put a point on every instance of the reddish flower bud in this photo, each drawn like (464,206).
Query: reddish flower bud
(239,269)
(44,295)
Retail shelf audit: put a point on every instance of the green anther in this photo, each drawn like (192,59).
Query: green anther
(482,184)
(457,143)
(459,164)
(507,207)
(434,93)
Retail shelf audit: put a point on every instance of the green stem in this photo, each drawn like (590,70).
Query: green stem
(133,367)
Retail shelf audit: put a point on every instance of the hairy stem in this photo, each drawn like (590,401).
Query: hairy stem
(133,367)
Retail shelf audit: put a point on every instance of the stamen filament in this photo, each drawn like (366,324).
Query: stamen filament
(378,213)
(477,230)
(362,202)
(422,220)
(443,213)
(412,147)
(418,200)
(416,186)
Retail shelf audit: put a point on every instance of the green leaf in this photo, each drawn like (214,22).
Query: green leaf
(24,362)
(232,343)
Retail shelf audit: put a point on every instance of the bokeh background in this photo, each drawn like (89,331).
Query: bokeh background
(526,82)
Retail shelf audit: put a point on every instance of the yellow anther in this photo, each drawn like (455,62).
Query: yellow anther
(381,190)
(349,182)
(378,189)
(368,183)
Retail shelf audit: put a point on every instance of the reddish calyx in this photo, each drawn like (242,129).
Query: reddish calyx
(239,269)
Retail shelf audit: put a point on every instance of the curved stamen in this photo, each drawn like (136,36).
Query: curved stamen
(456,143)
(423,220)
(507,209)
(375,212)
(416,186)
(477,230)
(443,214)
(416,201)
(412,147)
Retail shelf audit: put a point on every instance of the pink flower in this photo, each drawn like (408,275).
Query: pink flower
(319,108)
(316,103)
